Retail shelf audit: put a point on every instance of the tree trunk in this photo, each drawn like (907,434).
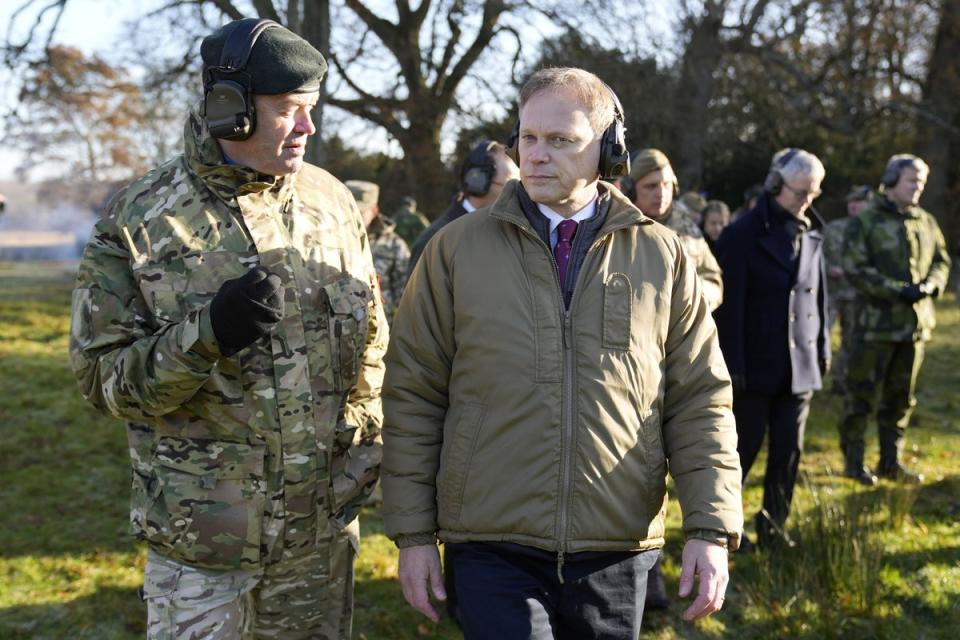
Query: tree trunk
(692,98)
(316,31)
(421,149)
(939,124)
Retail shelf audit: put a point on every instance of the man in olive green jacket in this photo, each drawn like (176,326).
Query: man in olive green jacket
(534,398)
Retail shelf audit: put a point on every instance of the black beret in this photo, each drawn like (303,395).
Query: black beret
(281,61)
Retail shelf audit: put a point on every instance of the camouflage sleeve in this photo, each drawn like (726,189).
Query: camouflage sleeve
(127,362)
(363,404)
(709,271)
(940,265)
(859,268)
(400,265)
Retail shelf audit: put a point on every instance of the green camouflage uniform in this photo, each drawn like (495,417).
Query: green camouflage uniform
(842,298)
(887,249)
(391,257)
(409,225)
(248,471)
(699,251)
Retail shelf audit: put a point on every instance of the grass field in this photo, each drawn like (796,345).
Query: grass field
(882,563)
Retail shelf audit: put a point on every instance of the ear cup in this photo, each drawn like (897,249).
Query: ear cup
(477,181)
(891,175)
(477,171)
(614,157)
(229,111)
(227,101)
(512,144)
(773,182)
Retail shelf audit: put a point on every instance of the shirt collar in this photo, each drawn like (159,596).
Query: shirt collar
(467,205)
(555,218)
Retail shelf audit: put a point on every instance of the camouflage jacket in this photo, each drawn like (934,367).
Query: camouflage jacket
(391,258)
(885,250)
(699,251)
(237,461)
(833,236)
(409,225)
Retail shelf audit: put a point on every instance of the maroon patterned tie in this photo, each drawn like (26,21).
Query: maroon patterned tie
(561,251)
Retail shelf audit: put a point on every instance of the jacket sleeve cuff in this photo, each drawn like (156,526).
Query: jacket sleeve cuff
(729,541)
(415,540)
(200,335)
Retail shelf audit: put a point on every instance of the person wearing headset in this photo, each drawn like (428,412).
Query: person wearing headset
(552,355)
(653,187)
(483,174)
(896,258)
(773,327)
(227,308)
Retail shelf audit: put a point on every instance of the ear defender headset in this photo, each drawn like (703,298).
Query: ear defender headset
(891,175)
(227,99)
(476,174)
(614,157)
(773,183)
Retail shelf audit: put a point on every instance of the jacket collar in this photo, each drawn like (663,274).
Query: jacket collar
(621,213)
(885,204)
(765,209)
(204,158)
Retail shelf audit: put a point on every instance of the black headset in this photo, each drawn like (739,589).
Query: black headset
(773,183)
(227,98)
(614,157)
(891,175)
(478,170)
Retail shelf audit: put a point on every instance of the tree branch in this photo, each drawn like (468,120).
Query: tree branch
(266,9)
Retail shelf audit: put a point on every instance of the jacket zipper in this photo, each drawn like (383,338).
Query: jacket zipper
(566,410)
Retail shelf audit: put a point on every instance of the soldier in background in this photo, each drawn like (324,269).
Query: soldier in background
(693,205)
(390,252)
(225,307)
(750,198)
(482,175)
(841,294)
(654,187)
(409,222)
(3,203)
(896,257)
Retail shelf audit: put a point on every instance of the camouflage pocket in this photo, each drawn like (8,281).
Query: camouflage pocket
(354,470)
(208,503)
(349,301)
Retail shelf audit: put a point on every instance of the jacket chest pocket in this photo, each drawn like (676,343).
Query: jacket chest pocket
(348,302)
(209,501)
(617,307)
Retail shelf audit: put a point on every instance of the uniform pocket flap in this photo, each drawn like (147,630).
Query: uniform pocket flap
(214,458)
(349,297)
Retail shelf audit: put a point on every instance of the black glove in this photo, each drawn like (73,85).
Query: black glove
(246,308)
(912,293)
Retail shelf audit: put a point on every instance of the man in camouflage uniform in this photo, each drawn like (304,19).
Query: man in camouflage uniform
(226,306)
(653,187)
(410,222)
(390,253)
(841,293)
(896,257)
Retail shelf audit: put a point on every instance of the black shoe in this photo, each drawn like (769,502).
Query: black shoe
(898,473)
(862,475)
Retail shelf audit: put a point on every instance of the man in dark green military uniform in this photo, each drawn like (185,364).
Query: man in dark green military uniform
(410,222)
(841,292)
(896,258)
(225,307)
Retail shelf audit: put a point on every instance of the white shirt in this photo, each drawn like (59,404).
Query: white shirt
(555,218)
(467,205)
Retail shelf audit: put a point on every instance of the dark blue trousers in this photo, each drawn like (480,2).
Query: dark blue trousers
(513,592)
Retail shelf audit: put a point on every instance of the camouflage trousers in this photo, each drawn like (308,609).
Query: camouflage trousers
(310,596)
(890,369)
(842,311)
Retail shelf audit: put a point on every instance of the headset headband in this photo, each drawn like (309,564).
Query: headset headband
(239,45)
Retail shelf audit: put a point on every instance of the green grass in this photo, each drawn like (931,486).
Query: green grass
(873,563)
